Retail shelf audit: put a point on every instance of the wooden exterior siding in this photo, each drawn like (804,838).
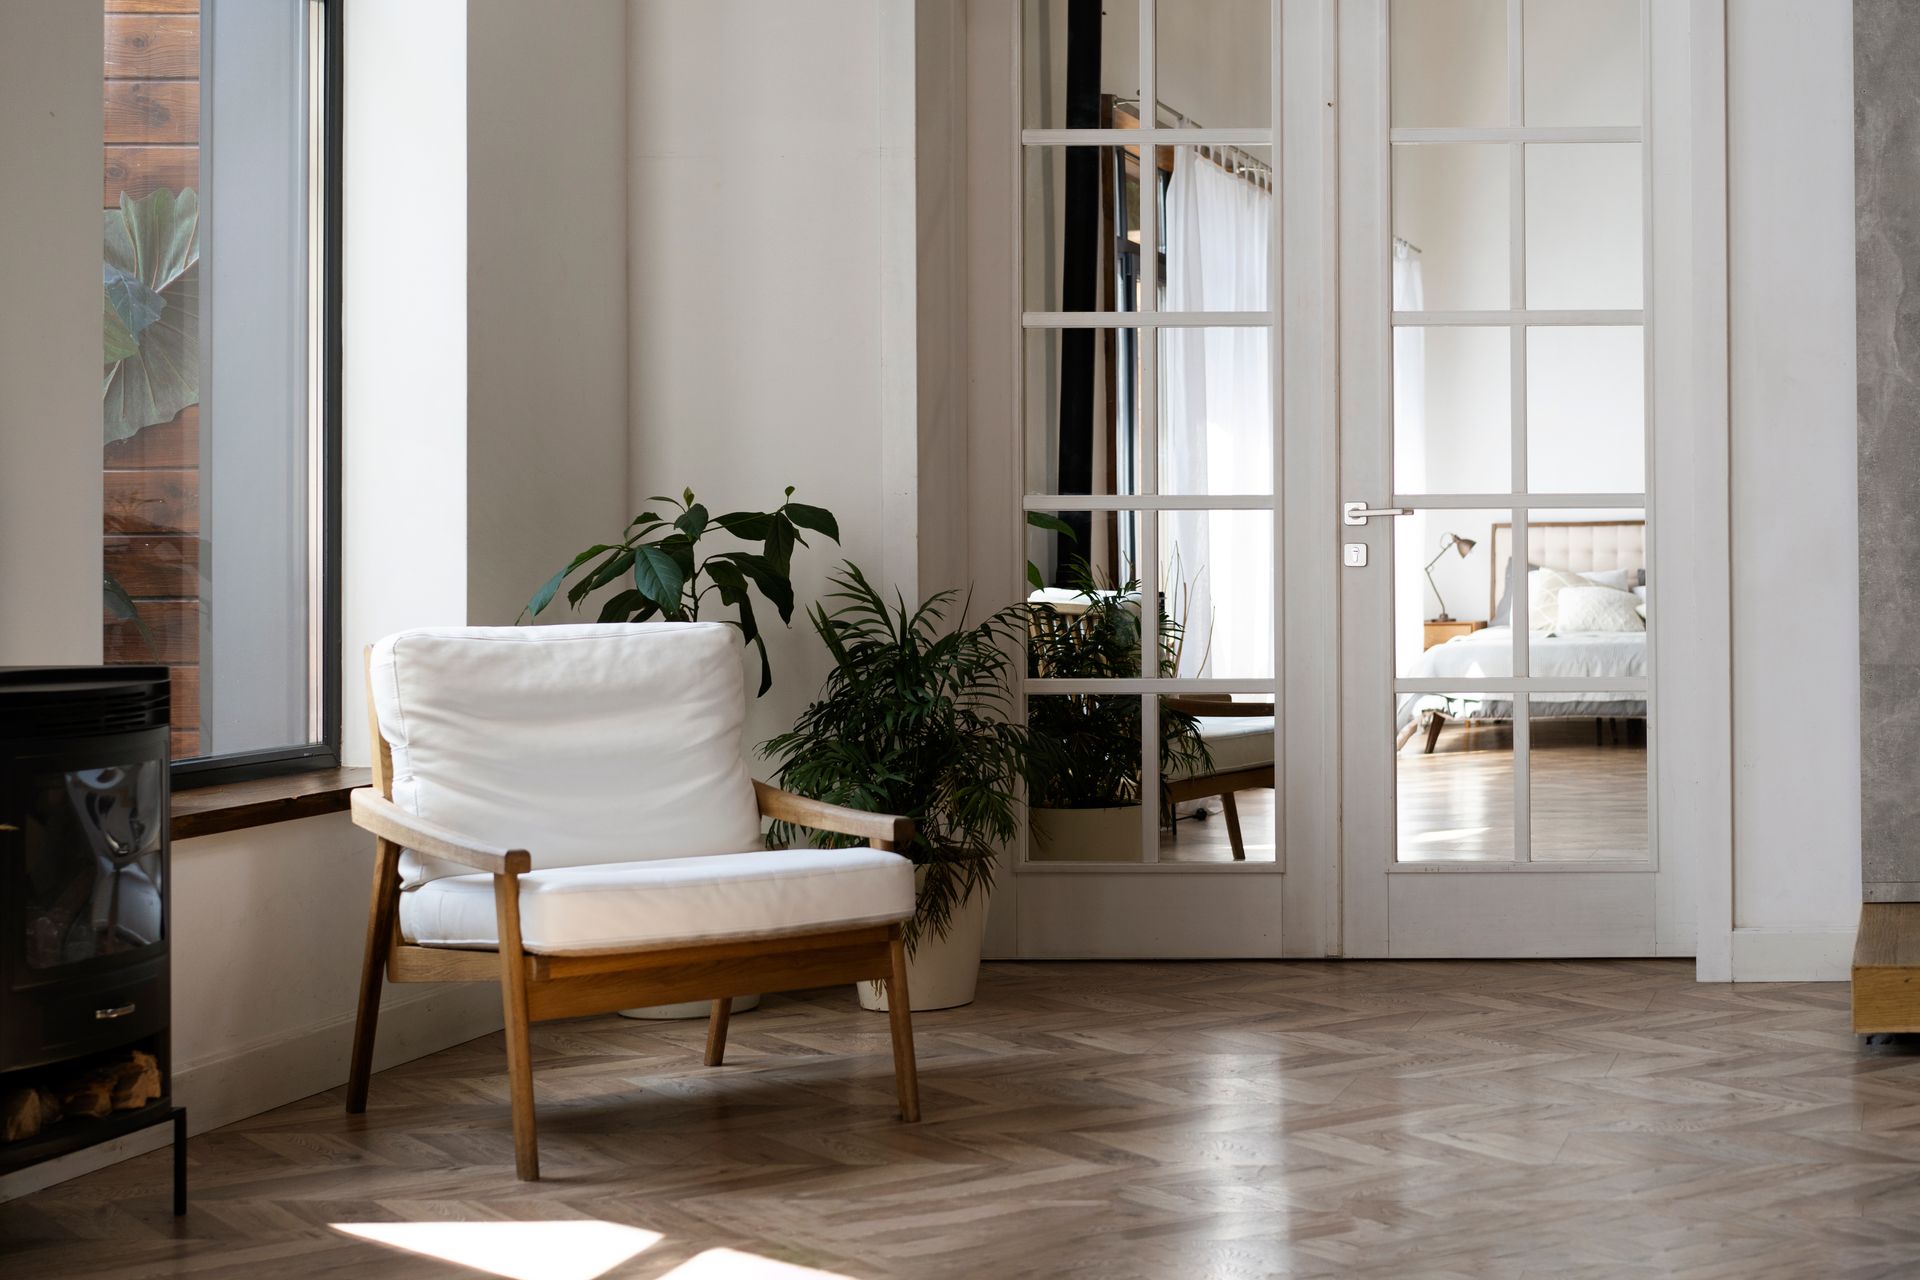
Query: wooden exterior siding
(152,481)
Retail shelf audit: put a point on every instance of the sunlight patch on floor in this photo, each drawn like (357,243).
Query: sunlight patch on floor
(731,1264)
(571,1249)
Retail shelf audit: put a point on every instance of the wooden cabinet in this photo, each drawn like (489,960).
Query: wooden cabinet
(1441,632)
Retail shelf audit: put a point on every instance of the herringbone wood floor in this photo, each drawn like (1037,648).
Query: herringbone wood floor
(1514,1119)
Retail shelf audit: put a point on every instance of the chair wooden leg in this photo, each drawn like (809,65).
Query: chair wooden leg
(386,887)
(717,1030)
(1232,812)
(906,1079)
(513,995)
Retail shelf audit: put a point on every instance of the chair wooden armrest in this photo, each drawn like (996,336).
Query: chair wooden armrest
(373,812)
(885,830)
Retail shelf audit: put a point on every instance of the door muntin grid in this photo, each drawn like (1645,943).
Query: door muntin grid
(1546,310)
(1142,507)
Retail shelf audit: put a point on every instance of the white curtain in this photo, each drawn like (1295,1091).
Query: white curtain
(1409,459)
(1216,419)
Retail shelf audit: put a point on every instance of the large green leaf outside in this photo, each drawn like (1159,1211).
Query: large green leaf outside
(151,318)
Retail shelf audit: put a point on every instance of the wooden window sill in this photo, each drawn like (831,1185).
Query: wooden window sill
(235,806)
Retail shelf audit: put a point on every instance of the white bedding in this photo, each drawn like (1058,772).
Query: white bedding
(1488,652)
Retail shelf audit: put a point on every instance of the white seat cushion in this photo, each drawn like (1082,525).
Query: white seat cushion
(631,906)
(1235,742)
(581,744)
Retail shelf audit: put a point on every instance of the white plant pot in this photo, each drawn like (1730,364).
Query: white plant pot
(687,1009)
(941,972)
(1086,835)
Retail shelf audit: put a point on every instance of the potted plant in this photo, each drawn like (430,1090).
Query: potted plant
(914,719)
(1083,775)
(661,554)
(671,581)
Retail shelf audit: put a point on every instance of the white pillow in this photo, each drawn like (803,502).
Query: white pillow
(1543,594)
(1597,609)
(1618,579)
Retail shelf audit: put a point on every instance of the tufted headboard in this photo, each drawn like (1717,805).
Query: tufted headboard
(1580,546)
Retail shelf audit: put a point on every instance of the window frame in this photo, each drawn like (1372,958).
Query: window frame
(324,239)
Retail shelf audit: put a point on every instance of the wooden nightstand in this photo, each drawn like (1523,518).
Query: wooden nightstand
(1441,632)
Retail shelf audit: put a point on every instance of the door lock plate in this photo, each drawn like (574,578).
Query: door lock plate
(1354,555)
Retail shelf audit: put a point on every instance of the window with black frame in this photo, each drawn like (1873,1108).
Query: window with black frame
(220,372)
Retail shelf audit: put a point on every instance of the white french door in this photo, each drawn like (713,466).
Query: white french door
(1500,711)
(1272,257)
(1154,520)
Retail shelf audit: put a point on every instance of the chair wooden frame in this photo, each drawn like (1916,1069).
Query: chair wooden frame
(1205,786)
(537,988)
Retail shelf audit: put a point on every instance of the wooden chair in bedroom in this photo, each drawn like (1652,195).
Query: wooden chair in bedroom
(564,811)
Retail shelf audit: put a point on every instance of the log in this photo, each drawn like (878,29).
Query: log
(90,1096)
(137,1083)
(25,1112)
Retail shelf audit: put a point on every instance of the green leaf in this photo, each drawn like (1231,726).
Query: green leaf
(818,519)
(659,577)
(621,607)
(119,343)
(129,298)
(544,596)
(614,566)
(1053,524)
(779,545)
(165,231)
(726,575)
(748,526)
(693,522)
(1033,576)
(774,585)
(151,280)
(689,498)
(751,630)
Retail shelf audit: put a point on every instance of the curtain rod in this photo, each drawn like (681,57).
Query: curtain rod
(1252,162)
(1405,243)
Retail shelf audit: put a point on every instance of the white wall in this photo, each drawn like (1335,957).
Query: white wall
(756,175)
(50,354)
(1795,549)
(546,295)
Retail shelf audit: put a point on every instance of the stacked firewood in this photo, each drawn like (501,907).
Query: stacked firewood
(126,1085)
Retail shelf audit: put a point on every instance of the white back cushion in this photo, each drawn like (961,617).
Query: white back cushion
(581,744)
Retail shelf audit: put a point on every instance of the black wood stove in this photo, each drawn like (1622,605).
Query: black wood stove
(84,896)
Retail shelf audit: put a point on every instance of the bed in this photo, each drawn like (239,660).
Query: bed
(1576,547)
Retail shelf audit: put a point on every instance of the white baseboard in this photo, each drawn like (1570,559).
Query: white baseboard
(218,1089)
(1792,955)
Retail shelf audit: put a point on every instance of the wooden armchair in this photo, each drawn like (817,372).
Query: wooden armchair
(563,810)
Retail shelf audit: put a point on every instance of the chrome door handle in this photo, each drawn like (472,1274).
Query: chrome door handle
(1360,512)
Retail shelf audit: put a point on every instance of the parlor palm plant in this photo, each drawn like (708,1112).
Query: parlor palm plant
(916,719)
(1086,747)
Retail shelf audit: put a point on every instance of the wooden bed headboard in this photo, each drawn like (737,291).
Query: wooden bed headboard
(1576,546)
